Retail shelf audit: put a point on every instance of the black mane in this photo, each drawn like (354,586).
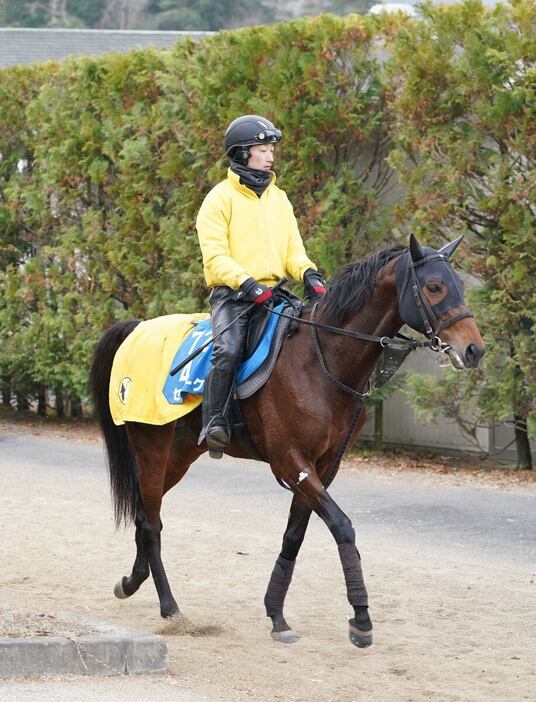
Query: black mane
(354,283)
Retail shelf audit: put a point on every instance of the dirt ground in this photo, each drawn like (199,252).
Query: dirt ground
(447,628)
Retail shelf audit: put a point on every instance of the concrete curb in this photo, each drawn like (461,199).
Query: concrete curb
(114,650)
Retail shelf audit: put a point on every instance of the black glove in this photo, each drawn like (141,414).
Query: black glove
(255,292)
(314,284)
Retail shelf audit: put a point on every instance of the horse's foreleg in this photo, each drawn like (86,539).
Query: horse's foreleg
(284,567)
(127,586)
(341,528)
(311,489)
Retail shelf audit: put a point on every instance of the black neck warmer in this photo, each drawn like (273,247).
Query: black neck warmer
(252,178)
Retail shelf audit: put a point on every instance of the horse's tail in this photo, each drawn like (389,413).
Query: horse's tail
(121,460)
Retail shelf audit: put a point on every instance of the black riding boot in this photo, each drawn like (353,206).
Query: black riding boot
(216,402)
(229,328)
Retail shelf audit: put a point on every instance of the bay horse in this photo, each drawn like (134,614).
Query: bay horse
(299,420)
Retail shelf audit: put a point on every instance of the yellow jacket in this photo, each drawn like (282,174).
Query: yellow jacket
(243,236)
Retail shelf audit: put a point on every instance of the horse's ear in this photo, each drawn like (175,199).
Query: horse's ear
(449,249)
(415,249)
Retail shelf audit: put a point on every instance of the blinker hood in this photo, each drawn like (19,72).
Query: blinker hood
(415,267)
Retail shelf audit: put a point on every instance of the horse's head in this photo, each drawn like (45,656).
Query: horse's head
(430,300)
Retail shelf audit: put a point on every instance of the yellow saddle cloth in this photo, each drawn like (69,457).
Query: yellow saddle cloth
(140,369)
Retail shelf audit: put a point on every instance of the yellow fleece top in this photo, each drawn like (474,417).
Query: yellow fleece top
(243,236)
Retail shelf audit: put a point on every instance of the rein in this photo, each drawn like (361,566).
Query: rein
(384,341)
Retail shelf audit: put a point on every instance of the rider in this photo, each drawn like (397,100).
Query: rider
(249,240)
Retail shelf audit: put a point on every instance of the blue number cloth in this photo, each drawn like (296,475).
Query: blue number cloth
(191,378)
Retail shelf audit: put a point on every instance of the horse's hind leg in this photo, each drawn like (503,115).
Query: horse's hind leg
(281,577)
(152,445)
(127,586)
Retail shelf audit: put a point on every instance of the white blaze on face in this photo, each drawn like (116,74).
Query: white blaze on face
(304,474)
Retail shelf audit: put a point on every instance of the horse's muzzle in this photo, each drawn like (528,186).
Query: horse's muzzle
(470,357)
(473,354)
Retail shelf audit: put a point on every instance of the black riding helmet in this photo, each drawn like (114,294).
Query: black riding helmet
(248,130)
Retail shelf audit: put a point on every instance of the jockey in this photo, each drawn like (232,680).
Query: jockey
(249,240)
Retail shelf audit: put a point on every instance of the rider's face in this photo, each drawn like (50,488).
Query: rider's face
(262,156)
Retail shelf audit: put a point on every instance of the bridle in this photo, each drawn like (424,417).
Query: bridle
(394,347)
(431,324)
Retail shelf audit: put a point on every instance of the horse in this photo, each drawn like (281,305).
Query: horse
(300,421)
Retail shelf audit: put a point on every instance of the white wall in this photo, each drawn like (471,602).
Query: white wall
(402,427)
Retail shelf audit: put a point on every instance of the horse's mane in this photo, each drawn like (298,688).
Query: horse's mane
(354,283)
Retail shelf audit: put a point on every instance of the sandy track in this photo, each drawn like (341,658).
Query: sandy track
(448,627)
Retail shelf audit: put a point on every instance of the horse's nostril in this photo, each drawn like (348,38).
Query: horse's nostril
(473,354)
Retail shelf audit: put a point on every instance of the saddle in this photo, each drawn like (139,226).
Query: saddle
(260,317)
(257,324)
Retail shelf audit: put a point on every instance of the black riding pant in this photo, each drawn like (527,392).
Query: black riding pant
(228,350)
(229,347)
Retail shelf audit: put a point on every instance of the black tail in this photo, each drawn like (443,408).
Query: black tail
(121,460)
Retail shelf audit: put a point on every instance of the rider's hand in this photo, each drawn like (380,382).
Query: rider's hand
(255,291)
(314,284)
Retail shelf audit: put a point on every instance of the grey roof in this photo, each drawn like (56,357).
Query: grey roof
(21,45)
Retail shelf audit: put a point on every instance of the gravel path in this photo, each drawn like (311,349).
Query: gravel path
(450,570)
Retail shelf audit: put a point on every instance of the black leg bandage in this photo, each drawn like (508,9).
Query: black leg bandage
(355,585)
(278,586)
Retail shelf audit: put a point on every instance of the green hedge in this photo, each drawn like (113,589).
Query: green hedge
(120,151)
(462,95)
(105,162)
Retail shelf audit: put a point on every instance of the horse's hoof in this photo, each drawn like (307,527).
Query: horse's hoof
(177,623)
(119,591)
(170,613)
(286,637)
(359,638)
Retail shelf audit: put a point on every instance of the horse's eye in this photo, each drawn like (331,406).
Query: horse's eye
(433,287)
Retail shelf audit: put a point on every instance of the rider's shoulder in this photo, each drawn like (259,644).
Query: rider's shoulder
(279,192)
(218,191)
(276,189)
